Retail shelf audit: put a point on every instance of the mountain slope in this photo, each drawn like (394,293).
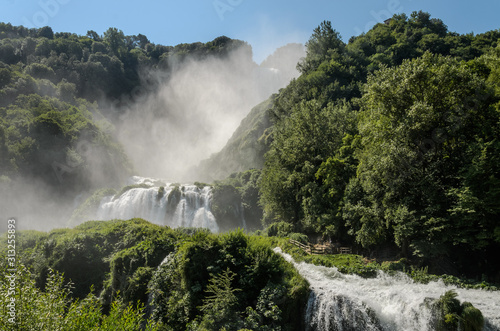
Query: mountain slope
(246,147)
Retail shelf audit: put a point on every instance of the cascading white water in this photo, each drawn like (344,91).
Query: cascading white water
(178,206)
(348,302)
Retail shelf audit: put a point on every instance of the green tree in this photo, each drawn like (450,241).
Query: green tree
(116,41)
(323,42)
(219,305)
(93,35)
(46,32)
(416,123)
(292,185)
(5,77)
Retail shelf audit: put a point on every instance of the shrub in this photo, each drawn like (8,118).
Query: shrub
(300,237)
(449,314)
(53,308)
(280,229)
(228,281)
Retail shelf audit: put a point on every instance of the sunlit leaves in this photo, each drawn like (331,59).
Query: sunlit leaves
(416,122)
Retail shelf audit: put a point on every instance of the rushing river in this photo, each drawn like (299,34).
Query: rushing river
(349,302)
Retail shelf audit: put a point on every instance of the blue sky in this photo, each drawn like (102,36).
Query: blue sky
(266,25)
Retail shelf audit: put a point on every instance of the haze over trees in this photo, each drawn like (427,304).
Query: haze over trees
(78,111)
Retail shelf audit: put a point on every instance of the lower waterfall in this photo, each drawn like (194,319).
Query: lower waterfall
(387,302)
(171,205)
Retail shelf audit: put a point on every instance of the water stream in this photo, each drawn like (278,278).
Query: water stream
(386,302)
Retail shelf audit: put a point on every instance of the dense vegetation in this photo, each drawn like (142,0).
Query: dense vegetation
(205,281)
(61,95)
(389,141)
(55,309)
(237,197)
(392,140)
(134,275)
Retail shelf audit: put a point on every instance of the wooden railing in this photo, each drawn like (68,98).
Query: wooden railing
(321,249)
(307,248)
(345,250)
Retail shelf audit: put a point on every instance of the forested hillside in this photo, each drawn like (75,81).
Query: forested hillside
(386,143)
(49,84)
(391,139)
(61,97)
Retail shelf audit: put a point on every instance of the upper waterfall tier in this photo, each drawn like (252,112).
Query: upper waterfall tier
(173,205)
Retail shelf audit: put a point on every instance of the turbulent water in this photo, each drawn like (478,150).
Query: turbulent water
(349,302)
(191,207)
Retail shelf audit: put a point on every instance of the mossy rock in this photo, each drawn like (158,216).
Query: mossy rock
(161,193)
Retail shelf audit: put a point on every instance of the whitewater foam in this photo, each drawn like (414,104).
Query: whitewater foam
(385,302)
(175,206)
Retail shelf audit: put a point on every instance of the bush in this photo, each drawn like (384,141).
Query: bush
(280,229)
(40,71)
(300,237)
(228,281)
(449,314)
(53,308)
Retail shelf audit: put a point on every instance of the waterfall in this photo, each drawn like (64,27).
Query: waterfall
(175,205)
(386,302)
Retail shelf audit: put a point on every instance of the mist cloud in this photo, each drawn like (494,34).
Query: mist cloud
(165,131)
(193,113)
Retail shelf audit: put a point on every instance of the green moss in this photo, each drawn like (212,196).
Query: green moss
(450,314)
(173,198)
(201,185)
(161,192)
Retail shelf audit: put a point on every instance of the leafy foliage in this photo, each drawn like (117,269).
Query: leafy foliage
(186,279)
(237,197)
(213,282)
(102,255)
(415,123)
(391,140)
(452,315)
(54,309)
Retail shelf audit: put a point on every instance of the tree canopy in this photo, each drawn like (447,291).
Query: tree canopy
(391,139)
